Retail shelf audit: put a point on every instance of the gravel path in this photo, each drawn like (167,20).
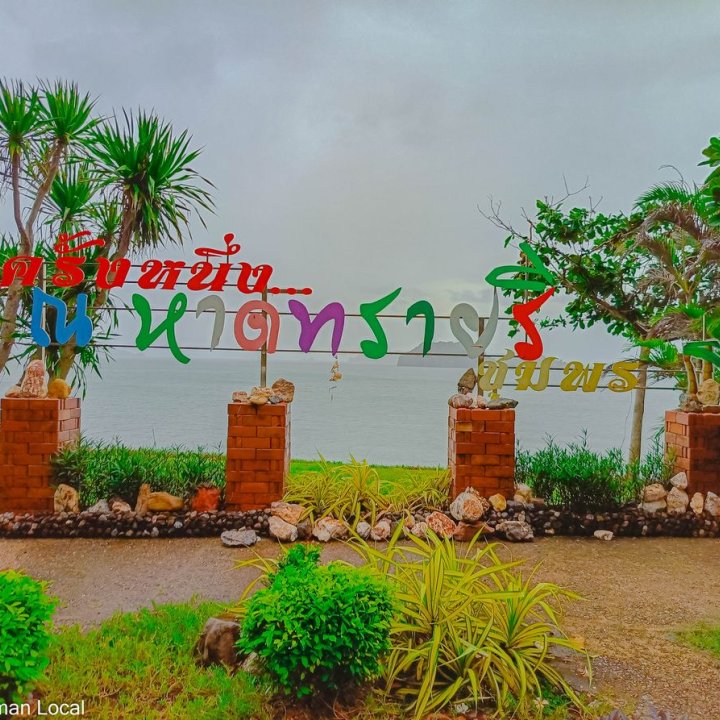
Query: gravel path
(639,592)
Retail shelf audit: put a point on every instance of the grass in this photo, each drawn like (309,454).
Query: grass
(704,637)
(573,476)
(140,665)
(391,476)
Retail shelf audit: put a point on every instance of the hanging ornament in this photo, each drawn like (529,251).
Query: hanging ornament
(335,376)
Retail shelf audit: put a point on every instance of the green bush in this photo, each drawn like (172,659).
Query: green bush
(576,478)
(25,614)
(317,628)
(470,629)
(100,471)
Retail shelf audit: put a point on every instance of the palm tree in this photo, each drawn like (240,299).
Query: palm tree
(39,129)
(675,234)
(144,192)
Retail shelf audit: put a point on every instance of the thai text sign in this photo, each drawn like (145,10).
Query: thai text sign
(74,252)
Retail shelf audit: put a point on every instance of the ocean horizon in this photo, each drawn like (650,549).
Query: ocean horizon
(379,411)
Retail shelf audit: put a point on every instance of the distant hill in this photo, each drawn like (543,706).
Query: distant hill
(442,360)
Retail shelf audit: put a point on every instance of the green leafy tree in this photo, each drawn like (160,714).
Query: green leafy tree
(597,281)
(634,273)
(128,180)
(40,130)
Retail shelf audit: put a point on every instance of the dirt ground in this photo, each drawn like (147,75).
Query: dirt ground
(638,594)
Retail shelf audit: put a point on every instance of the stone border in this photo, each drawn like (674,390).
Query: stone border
(629,521)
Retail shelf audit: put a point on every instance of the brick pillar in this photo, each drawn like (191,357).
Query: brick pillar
(481,450)
(31,431)
(694,438)
(258,455)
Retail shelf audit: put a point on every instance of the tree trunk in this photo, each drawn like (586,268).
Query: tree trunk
(66,361)
(707,370)
(692,385)
(67,354)
(26,231)
(639,407)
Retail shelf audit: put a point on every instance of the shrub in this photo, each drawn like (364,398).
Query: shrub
(468,629)
(577,478)
(100,471)
(317,628)
(25,614)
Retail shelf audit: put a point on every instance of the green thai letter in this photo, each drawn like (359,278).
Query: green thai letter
(147,336)
(537,269)
(424,308)
(375,349)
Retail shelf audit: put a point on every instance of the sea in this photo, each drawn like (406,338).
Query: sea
(382,412)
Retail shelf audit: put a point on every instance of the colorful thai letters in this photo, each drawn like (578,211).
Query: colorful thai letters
(256,324)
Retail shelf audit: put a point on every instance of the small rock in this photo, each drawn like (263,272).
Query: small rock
(240,396)
(329,528)
(712,504)
(498,502)
(363,529)
(216,645)
(382,531)
(141,507)
(281,530)
(162,502)
(523,493)
(516,531)
(239,538)
(260,395)
(101,506)
(655,506)
(709,392)
(120,506)
(469,506)
(205,499)
(289,512)
(155,532)
(440,524)
(697,504)
(603,535)
(654,493)
(467,382)
(304,528)
(251,664)
(680,480)
(677,501)
(461,401)
(66,499)
(419,529)
(284,390)
(466,532)
(502,404)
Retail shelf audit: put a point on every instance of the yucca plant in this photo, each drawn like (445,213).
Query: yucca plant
(147,191)
(420,492)
(469,628)
(40,128)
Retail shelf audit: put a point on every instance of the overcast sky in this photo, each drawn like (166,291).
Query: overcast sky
(352,142)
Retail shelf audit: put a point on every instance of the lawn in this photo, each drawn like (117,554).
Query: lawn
(704,637)
(391,476)
(140,665)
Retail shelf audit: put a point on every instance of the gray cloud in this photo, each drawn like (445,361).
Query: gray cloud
(351,142)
